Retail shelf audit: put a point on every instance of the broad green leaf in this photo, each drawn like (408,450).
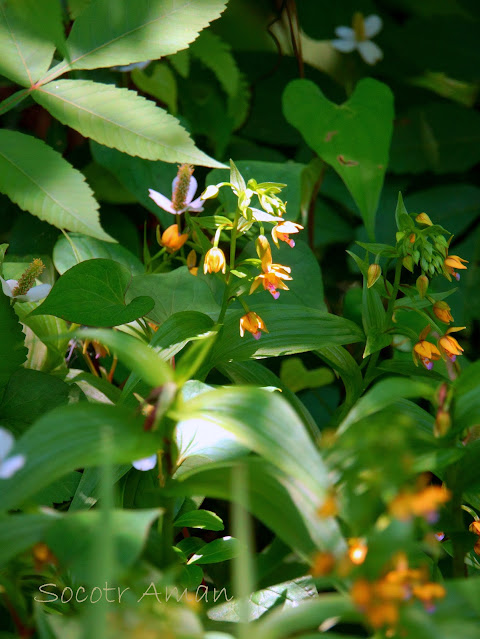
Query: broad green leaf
(438,137)
(384,393)
(281,503)
(12,350)
(467,397)
(28,395)
(216,55)
(295,330)
(268,425)
(374,320)
(254,373)
(344,364)
(159,81)
(287,595)
(204,519)
(174,292)
(135,354)
(105,185)
(84,248)
(74,537)
(26,169)
(93,293)
(138,175)
(75,7)
(216,551)
(307,615)
(105,34)
(71,437)
(297,377)
(20,531)
(29,31)
(121,119)
(353,137)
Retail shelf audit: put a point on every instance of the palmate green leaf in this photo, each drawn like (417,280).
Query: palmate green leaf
(93,293)
(267,424)
(71,437)
(12,350)
(353,137)
(29,31)
(26,169)
(121,119)
(296,329)
(105,34)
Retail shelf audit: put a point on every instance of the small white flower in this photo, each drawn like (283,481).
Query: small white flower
(8,465)
(35,294)
(190,204)
(358,38)
(147,463)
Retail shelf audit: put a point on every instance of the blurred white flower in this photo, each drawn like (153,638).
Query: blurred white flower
(8,465)
(358,37)
(35,294)
(147,463)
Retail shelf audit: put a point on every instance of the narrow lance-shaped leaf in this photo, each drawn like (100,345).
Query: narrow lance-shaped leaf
(120,119)
(106,34)
(40,181)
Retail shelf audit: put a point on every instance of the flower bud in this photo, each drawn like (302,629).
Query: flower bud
(442,424)
(171,239)
(422,285)
(408,263)
(442,311)
(411,238)
(214,261)
(374,272)
(422,218)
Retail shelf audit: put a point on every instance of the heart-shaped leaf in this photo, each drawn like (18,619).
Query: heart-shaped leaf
(93,293)
(353,137)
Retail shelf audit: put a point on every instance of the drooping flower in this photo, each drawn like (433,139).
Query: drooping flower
(192,262)
(283,230)
(252,323)
(171,239)
(184,187)
(427,593)
(423,218)
(146,463)
(423,503)
(442,311)
(448,345)
(214,261)
(453,262)
(357,551)
(358,37)
(8,465)
(273,274)
(425,350)
(24,290)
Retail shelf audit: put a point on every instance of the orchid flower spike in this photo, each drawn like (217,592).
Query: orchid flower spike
(358,37)
(8,465)
(184,187)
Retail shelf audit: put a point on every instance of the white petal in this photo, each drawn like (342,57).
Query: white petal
(161,201)
(10,466)
(210,191)
(192,189)
(147,463)
(346,33)
(37,293)
(345,46)
(8,286)
(373,25)
(196,205)
(6,442)
(370,52)
(261,216)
